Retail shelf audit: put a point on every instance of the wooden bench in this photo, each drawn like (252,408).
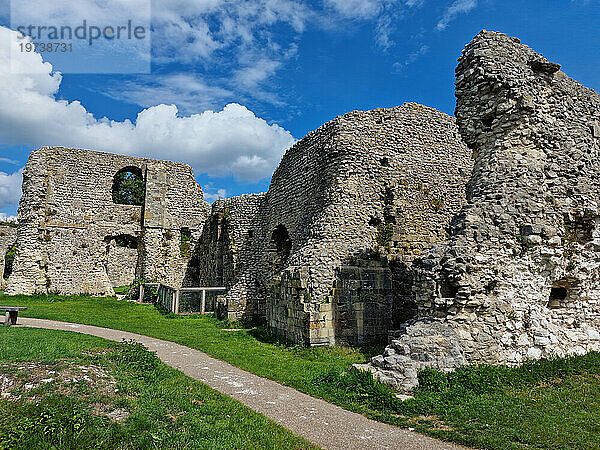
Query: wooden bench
(11,314)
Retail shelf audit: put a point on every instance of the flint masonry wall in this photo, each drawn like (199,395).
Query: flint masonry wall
(227,252)
(68,223)
(384,181)
(8,238)
(519,276)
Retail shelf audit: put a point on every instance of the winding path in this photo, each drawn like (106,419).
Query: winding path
(322,423)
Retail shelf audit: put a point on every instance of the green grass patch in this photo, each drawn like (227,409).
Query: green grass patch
(165,409)
(542,404)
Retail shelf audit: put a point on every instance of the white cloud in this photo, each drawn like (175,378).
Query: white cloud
(8,161)
(383,32)
(456,8)
(10,189)
(411,58)
(358,9)
(231,141)
(211,193)
(192,30)
(414,3)
(190,93)
(6,218)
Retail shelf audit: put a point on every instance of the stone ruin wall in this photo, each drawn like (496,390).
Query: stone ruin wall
(68,223)
(519,277)
(227,252)
(333,191)
(8,238)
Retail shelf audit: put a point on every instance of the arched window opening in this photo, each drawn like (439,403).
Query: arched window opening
(9,259)
(129,187)
(126,241)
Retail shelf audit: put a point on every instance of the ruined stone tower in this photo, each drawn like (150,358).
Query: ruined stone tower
(321,257)
(76,236)
(519,276)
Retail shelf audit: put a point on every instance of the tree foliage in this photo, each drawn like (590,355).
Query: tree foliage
(129,188)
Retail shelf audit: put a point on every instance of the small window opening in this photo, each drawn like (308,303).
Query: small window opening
(448,289)
(374,222)
(487,122)
(384,162)
(129,187)
(557,297)
(126,241)
(250,234)
(9,259)
(185,242)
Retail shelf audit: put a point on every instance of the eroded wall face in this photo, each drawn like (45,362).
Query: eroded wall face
(8,238)
(67,220)
(383,182)
(227,254)
(519,276)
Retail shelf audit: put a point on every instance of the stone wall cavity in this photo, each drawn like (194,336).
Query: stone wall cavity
(8,238)
(68,223)
(519,277)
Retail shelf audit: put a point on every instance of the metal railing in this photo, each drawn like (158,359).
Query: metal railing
(168,298)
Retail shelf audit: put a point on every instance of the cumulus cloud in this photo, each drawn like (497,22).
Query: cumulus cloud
(10,189)
(189,92)
(211,193)
(230,141)
(7,218)
(455,9)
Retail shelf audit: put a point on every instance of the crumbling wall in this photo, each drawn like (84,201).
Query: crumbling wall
(228,251)
(67,219)
(367,183)
(8,238)
(519,276)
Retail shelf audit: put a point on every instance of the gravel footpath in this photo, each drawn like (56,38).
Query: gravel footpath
(322,423)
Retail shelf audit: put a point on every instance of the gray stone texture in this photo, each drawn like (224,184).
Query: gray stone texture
(68,223)
(519,276)
(304,258)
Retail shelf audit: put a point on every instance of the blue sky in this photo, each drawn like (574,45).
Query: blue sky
(248,77)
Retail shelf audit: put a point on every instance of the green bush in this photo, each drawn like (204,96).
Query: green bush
(385,233)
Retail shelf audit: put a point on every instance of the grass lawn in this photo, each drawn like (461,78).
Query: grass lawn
(71,391)
(547,404)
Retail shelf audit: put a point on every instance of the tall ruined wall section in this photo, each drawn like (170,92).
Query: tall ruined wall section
(519,277)
(68,223)
(396,172)
(8,238)
(228,252)
(174,205)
